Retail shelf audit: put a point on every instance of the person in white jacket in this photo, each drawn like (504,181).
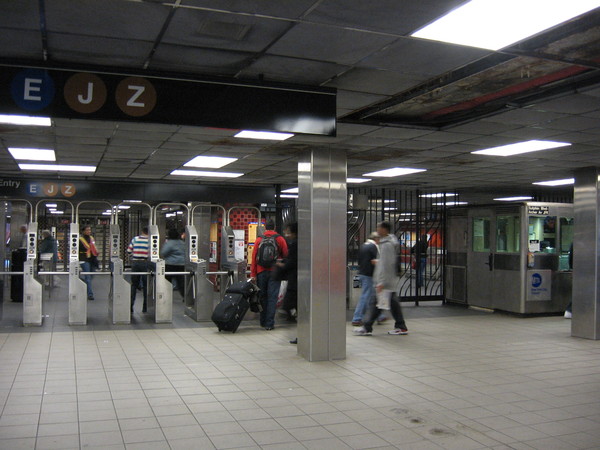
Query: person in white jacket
(386,281)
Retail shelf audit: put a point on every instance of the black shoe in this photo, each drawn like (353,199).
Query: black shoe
(269,328)
(294,341)
(90,298)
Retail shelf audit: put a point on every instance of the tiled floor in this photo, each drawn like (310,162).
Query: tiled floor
(458,381)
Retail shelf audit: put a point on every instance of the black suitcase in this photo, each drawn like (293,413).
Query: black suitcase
(230,312)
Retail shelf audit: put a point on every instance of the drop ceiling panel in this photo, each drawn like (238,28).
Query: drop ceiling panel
(421,58)
(292,70)
(283,9)
(356,100)
(384,82)
(390,16)
(574,104)
(343,46)
(208,61)
(199,28)
(125,20)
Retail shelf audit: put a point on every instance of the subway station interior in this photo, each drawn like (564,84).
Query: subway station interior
(472,128)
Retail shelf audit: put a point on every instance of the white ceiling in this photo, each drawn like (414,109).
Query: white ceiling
(361,48)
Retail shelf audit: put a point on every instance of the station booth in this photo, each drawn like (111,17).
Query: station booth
(513,258)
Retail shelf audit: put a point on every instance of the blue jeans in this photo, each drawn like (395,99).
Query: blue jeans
(368,291)
(269,291)
(421,273)
(86,266)
(139,266)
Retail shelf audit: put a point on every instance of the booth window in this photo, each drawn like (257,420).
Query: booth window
(481,234)
(508,235)
(543,229)
(566,240)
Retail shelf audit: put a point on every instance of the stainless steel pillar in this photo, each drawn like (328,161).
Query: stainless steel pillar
(322,255)
(586,254)
(199,293)
(77,295)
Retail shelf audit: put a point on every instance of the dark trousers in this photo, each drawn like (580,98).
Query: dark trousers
(269,291)
(139,266)
(180,279)
(290,301)
(373,313)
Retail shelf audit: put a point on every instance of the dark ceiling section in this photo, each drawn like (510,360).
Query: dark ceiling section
(401,101)
(562,60)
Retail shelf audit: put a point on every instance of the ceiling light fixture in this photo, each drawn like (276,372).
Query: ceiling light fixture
(51,205)
(290,191)
(25,120)
(264,135)
(209,162)
(57,168)
(521,147)
(513,199)
(132,201)
(562,182)
(357,180)
(54,211)
(32,154)
(439,195)
(451,204)
(496,24)
(289,196)
(206,174)
(124,206)
(393,172)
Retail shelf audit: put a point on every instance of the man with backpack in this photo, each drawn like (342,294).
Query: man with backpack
(268,248)
(385,279)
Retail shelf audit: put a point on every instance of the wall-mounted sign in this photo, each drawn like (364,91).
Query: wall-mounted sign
(169,100)
(536,210)
(534,245)
(539,285)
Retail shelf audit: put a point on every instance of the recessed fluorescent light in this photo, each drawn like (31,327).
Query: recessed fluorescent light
(562,182)
(51,205)
(124,206)
(521,147)
(25,120)
(207,174)
(495,24)
(32,154)
(290,191)
(107,213)
(407,214)
(265,135)
(54,211)
(132,201)
(393,172)
(209,162)
(389,201)
(390,208)
(289,196)
(513,199)
(438,195)
(57,168)
(358,180)
(451,204)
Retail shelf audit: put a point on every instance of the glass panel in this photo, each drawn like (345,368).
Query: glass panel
(508,238)
(481,234)
(566,242)
(543,229)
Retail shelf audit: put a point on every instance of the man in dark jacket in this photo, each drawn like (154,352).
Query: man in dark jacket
(367,258)
(269,287)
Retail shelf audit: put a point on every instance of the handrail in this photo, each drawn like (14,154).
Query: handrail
(91,201)
(54,200)
(155,210)
(13,200)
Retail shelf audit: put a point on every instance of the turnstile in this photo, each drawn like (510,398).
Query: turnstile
(119,298)
(32,295)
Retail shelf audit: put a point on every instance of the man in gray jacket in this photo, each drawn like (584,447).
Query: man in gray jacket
(386,282)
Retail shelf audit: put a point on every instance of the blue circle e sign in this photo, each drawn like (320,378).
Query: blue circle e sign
(536,280)
(32,89)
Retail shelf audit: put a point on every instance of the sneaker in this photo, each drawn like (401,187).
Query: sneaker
(568,315)
(90,297)
(356,323)
(361,331)
(400,331)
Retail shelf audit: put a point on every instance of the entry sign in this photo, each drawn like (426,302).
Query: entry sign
(535,210)
(539,285)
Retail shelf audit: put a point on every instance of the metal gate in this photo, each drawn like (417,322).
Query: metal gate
(414,215)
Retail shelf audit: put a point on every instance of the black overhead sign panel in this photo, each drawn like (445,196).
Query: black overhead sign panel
(129,97)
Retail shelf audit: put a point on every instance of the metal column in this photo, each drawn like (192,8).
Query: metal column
(586,253)
(322,205)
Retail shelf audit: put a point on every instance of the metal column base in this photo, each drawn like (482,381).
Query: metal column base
(77,296)
(199,294)
(119,299)
(32,296)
